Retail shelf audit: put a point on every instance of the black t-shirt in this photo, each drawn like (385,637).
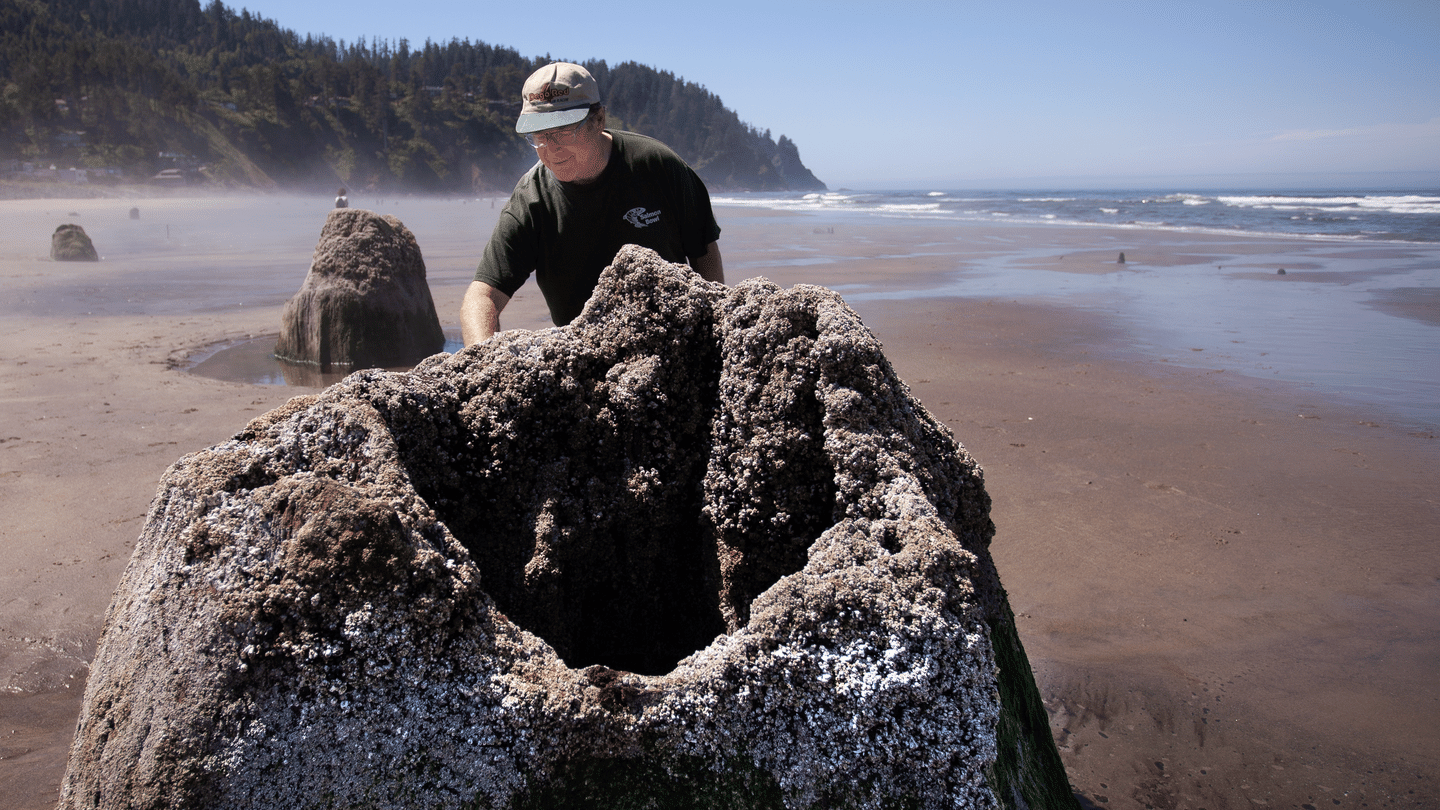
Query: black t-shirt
(568,233)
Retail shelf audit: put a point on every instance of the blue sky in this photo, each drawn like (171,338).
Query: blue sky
(897,94)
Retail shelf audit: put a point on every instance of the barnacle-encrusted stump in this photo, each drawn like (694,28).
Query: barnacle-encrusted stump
(70,243)
(364,303)
(698,549)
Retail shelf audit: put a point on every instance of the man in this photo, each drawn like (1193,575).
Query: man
(592,192)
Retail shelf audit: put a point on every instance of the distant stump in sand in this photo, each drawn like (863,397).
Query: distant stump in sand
(70,243)
(700,548)
(364,303)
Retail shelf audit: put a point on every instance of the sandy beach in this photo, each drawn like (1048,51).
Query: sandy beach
(1227,585)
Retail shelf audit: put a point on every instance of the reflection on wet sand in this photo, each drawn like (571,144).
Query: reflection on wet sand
(253,361)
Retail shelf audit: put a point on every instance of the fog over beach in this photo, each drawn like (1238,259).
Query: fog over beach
(1213,482)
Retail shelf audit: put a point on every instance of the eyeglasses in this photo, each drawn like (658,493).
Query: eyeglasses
(565,136)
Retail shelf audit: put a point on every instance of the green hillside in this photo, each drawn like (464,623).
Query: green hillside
(131,88)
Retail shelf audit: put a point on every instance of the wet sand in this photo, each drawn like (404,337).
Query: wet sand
(1227,586)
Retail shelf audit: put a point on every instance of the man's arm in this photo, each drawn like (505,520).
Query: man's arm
(710,266)
(480,312)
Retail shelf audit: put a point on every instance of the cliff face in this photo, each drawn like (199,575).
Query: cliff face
(700,548)
(787,162)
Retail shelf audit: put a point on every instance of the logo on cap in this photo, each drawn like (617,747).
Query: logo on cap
(548,92)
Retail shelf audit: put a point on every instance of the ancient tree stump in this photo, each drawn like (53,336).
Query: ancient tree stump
(700,548)
(365,302)
(70,243)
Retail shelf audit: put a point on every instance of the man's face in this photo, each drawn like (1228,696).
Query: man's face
(574,154)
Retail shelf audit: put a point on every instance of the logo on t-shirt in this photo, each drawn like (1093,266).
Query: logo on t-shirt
(641,218)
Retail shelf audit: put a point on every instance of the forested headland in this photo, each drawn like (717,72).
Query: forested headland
(169,91)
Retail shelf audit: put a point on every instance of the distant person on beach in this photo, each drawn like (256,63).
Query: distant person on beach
(592,192)
(341,201)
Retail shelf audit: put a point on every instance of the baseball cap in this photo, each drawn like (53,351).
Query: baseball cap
(556,95)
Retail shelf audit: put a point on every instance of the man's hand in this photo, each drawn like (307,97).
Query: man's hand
(480,312)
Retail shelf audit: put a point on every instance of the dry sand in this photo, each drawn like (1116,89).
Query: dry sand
(1228,588)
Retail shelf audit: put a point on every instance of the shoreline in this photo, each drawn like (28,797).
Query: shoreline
(1162,530)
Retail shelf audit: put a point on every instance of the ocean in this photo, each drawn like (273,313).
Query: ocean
(1392,216)
(1356,319)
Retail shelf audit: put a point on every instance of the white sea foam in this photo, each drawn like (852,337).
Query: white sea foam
(918,208)
(831,201)
(1187,199)
(1393,204)
(808,202)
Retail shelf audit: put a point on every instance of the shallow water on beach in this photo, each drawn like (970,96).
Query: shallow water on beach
(253,361)
(1355,316)
(1336,324)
